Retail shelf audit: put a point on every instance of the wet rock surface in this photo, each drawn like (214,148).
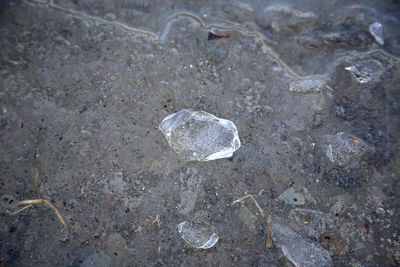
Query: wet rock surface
(85,84)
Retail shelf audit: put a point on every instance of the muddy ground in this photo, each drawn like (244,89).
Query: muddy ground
(85,84)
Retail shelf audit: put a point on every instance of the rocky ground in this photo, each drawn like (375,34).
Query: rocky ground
(85,84)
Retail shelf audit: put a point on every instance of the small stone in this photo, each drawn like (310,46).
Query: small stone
(291,197)
(198,234)
(198,135)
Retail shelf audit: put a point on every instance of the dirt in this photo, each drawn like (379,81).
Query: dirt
(85,84)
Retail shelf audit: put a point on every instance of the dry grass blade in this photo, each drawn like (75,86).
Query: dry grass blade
(26,204)
(38,181)
(21,209)
(254,200)
(269,242)
(34,202)
(269,233)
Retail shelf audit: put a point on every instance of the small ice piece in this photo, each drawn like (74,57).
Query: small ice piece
(198,234)
(376,30)
(283,18)
(308,85)
(329,152)
(198,135)
(291,197)
(300,251)
(366,71)
(342,148)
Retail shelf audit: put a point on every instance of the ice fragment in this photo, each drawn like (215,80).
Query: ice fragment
(343,148)
(366,71)
(300,251)
(198,135)
(283,18)
(376,30)
(198,234)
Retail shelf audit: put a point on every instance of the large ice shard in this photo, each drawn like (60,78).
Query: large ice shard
(300,251)
(198,135)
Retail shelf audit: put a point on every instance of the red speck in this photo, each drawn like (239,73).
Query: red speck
(214,36)
(327,237)
(337,214)
(366,226)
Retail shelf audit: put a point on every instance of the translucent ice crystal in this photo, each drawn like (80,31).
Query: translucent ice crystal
(300,251)
(198,234)
(376,30)
(343,148)
(366,71)
(198,135)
